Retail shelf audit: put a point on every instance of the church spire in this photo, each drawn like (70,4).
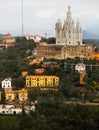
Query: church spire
(68,8)
(68,19)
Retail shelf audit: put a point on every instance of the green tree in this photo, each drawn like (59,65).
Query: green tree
(3,98)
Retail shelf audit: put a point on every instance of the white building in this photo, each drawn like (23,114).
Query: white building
(6,83)
(34,37)
(70,33)
(80,67)
(10,109)
(33,108)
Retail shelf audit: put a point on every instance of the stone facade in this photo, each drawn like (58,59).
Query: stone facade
(49,50)
(63,52)
(8,41)
(69,33)
(81,51)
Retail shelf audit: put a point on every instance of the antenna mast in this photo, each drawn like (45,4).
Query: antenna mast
(22,16)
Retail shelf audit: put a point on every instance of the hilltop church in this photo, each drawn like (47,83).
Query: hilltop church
(68,41)
(69,34)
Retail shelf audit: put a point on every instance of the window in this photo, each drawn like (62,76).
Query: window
(3,112)
(3,86)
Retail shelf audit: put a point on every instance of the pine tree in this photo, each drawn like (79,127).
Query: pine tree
(3,98)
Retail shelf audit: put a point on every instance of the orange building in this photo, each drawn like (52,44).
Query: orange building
(24,73)
(95,56)
(39,71)
(34,62)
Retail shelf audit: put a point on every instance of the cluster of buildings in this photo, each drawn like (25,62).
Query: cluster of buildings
(41,82)
(11,94)
(12,109)
(68,41)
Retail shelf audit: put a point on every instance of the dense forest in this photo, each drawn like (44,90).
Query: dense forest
(51,116)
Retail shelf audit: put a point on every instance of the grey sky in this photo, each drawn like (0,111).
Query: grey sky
(40,16)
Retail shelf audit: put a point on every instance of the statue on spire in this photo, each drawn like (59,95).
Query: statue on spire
(69,8)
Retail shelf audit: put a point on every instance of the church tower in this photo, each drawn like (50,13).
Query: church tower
(58,32)
(78,33)
(69,34)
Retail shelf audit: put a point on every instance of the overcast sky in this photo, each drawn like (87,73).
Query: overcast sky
(40,16)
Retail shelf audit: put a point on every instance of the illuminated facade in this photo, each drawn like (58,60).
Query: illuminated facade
(82,76)
(23,95)
(9,94)
(42,81)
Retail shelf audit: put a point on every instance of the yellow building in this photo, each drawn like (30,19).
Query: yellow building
(82,75)
(95,56)
(9,94)
(8,40)
(48,88)
(23,94)
(42,81)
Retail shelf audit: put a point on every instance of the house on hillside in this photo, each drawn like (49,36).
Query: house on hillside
(23,95)
(6,83)
(8,40)
(9,94)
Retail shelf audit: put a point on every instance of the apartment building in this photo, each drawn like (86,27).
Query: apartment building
(42,81)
